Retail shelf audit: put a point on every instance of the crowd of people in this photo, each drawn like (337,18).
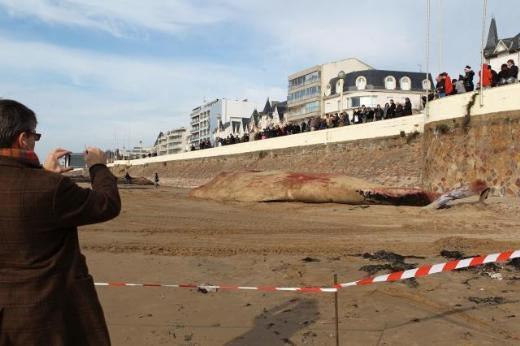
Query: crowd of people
(490,78)
(360,115)
(445,86)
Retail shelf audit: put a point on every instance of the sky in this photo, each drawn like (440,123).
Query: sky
(116,73)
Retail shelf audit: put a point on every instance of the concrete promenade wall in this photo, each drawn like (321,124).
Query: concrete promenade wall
(484,145)
(385,128)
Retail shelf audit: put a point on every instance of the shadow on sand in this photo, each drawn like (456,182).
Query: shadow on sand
(277,325)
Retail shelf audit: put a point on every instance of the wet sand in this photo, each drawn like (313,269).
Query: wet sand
(164,236)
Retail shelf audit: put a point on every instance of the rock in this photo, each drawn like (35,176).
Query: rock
(488,300)
(452,254)
(383,255)
(310,259)
(372,269)
(515,262)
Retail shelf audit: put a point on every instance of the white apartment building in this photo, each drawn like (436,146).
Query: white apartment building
(306,88)
(171,142)
(205,118)
(134,153)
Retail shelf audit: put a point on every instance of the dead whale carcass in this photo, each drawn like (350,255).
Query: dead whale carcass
(267,186)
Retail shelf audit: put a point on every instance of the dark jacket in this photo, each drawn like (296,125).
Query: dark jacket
(407,108)
(399,111)
(513,71)
(494,78)
(441,86)
(391,111)
(47,296)
(468,80)
(504,74)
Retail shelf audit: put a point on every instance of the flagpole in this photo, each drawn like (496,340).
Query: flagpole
(484,14)
(428,20)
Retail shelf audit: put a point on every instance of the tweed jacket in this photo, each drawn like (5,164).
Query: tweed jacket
(47,296)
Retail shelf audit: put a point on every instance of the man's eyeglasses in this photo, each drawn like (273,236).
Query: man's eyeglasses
(36,135)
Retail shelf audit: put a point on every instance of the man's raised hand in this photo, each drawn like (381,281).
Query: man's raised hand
(52,162)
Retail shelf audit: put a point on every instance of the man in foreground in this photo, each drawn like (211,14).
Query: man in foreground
(47,296)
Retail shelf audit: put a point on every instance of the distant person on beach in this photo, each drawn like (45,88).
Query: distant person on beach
(128,178)
(156,180)
(47,296)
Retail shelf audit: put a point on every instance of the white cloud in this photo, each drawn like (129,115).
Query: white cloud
(119,17)
(85,97)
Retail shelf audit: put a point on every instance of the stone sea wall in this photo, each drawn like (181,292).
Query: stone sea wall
(487,147)
(393,161)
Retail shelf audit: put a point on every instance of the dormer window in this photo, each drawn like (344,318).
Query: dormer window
(328,90)
(390,83)
(339,86)
(361,83)
(426,85)
(405,83)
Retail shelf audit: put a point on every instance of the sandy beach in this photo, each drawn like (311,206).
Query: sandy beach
(165,237)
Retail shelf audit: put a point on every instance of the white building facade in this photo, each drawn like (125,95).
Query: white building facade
(375,87)
(171,142)
(134,153)
(306,88)
(206,118)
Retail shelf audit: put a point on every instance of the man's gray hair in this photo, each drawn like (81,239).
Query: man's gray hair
(15,118)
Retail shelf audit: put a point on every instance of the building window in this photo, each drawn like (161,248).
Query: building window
(390,83)
(308,108)
(304,80)
(368,101)
(361,83)
(405,83)
(304,93)
(339,86)
(312,107)
(426,85)
(328,90)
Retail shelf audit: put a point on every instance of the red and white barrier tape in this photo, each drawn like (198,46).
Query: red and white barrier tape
(421,271)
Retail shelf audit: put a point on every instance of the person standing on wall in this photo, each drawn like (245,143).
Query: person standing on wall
(468,78)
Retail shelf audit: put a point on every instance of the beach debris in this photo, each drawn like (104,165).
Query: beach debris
(288,342)
(207,288)
(477,187)
(310,259)
(488,300)
(411,282)
(515,262)
(448,254)
(396,263)
(383,255)
(372,269)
